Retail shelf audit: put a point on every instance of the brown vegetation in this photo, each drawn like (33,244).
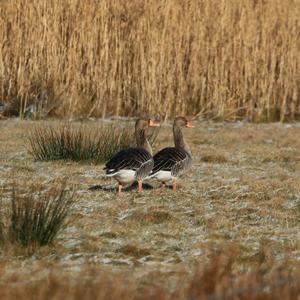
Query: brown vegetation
(214,158)
(35,215)
(226,59)
(154,215)
(215,278)
(231,231)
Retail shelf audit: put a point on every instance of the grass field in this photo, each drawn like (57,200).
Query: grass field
(232,225)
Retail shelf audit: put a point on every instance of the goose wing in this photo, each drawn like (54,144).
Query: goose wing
(170,159)
(130,159)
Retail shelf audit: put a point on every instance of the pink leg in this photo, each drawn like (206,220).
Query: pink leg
(174,185)
(119,189)
(140,186)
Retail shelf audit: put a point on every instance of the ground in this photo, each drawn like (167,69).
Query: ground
(243,190)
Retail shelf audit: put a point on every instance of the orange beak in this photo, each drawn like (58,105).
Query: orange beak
(153,124)
(189,125)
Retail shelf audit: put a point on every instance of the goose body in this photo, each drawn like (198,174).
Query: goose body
(132,164)
(172,162)
(129,165)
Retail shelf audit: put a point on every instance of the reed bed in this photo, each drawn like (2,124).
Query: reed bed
(222,59)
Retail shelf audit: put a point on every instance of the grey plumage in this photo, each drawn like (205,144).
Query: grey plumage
(172,162)
(136,159)
(175,160)
(133,164)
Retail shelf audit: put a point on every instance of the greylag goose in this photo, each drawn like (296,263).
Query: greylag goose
(133,164)
(172,162)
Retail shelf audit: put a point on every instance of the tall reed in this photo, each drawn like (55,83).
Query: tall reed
(219,58)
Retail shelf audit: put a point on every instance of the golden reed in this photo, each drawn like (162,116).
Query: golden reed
(218,58)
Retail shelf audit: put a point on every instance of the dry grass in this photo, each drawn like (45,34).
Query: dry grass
(226,59)
(214,278)
(2,234)
(35,215)
(231,231)
(152,215)
(214,158)
(134,250)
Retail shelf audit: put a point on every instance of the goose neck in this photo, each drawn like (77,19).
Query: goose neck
(142,141)
(179,140)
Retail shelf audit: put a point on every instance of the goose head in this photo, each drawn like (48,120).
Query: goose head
(142,124)
(182,122)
